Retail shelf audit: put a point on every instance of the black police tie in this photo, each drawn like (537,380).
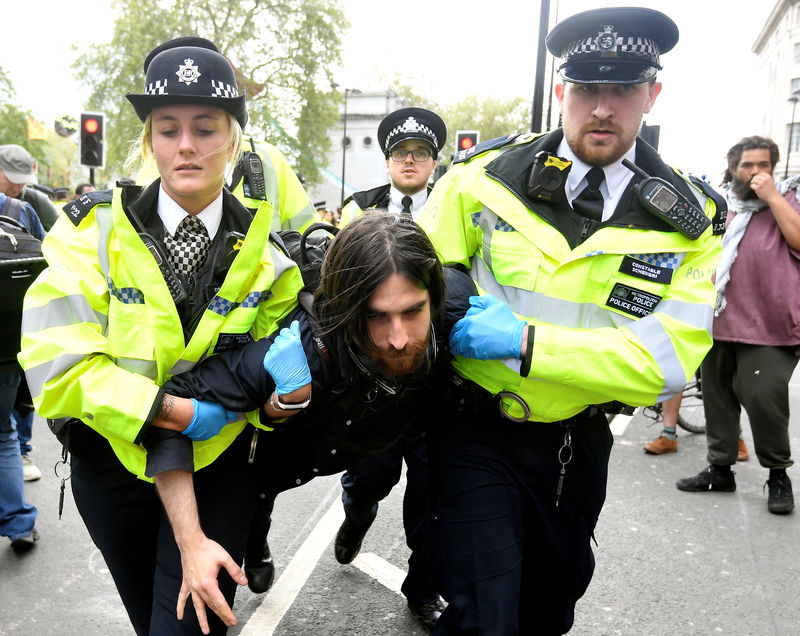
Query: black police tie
(589,203)
(188,250)
(406,211)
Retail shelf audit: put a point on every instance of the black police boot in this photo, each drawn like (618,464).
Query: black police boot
(259,567)
(428,613)
(348,540)
(717,478)
(781,497)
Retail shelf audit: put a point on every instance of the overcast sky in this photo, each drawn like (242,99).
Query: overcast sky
(453,48)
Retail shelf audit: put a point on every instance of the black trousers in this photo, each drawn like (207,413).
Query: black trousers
(508,560)
(371,480)
(755,377)
(127,523)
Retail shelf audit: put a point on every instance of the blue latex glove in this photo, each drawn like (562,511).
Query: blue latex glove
(488,331)
(286,361)
(208,420)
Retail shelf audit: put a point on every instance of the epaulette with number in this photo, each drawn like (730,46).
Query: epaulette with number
(77,209)
(721,213)
(484,146)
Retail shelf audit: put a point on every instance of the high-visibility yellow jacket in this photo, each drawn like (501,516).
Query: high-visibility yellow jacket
(101,332)
(291,207)
(621,310)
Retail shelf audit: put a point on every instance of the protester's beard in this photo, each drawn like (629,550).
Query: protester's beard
(742,190)
(392,362)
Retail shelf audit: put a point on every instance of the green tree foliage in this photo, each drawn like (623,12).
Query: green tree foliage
(55,155)
(491,116)
(283,52)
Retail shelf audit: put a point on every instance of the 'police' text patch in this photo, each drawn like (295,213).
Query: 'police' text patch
(632,301)
(229,341)
(640,269)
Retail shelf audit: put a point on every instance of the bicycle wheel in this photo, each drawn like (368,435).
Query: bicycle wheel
(691,416)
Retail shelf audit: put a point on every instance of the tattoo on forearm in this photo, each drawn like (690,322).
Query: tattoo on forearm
(167,404)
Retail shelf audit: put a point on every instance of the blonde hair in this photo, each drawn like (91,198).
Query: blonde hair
(140,156)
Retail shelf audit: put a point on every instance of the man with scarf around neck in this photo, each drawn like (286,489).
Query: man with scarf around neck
(756,325)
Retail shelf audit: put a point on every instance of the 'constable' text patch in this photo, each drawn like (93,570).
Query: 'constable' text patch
(640,269)
(632,301)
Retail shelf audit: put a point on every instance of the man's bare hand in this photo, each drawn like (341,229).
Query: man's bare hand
(201,562)
(763,185)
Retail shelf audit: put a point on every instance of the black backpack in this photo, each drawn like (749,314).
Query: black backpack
(21,261)
(308,251)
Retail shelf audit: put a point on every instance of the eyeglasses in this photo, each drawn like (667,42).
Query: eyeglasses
(419,154)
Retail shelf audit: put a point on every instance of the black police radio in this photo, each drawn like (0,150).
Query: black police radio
(662,200)
(253,185)
(548,177)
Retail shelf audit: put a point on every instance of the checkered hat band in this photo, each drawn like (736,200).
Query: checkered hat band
(221,89)
(627,45)
(421,128)
(156,88)
(218,89)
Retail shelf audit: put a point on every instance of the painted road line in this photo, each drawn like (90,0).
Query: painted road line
(385,573)
(285,590)
(619,424)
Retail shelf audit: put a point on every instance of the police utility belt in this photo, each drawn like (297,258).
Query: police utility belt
(474,397)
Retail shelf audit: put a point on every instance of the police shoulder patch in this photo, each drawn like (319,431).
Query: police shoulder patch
(485,146)
(718,222)
(77,209)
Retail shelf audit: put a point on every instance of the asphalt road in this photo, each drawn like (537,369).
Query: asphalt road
(668,562)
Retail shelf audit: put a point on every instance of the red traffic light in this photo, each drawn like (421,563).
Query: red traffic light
(466,139)
(91,126)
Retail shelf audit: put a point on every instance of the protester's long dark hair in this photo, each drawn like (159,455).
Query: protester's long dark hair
(748,143)
(365,253)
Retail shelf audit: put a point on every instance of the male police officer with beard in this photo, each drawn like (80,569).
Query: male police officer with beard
(600,301)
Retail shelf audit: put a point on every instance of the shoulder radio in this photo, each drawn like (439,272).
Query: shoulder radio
(254,186)
(663,200)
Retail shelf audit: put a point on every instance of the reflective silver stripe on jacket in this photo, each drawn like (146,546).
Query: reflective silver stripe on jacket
(657,341)
(61,312)
(146,368)
(182,365)
(39,375)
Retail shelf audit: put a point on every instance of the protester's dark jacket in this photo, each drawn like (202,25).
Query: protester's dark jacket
(351,416)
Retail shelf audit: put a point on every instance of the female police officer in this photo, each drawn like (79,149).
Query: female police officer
(142,284)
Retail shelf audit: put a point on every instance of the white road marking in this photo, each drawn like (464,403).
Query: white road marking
(285,590)
(385,573)
(620,423)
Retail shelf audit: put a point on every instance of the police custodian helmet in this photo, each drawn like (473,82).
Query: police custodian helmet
(412,123)
(612,46)
(189,70)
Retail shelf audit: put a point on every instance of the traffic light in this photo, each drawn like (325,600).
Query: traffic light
(92,131)
(466,139)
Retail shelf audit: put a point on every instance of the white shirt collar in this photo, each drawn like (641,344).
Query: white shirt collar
(616,179)
(172,214)
(418,200)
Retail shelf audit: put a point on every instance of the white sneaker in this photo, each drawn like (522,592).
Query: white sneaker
(30,472)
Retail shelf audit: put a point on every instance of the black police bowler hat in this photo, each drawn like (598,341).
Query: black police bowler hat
(189,70)
(618,45)
(412,123)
